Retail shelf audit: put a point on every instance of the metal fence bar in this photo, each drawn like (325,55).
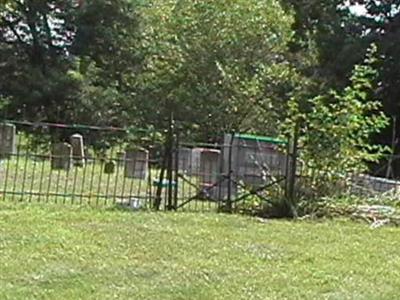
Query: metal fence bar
(118,163)
(6,174)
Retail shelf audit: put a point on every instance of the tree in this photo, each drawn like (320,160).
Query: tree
(67,61)
(328,29)
(33,46)
(218,65)
(339,38)
(381,25)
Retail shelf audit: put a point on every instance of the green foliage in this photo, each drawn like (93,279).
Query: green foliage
(219,65)
(336,127)
(339,38)
(68,63)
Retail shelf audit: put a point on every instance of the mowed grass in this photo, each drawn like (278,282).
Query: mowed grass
(70,252)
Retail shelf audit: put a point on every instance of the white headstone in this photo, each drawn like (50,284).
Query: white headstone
(78,151)
(136,163)
(61,156)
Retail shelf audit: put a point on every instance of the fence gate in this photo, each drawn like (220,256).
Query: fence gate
(228,175)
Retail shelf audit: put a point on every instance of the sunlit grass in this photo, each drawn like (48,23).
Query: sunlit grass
(71,252)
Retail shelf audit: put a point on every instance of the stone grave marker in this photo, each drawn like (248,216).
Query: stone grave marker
(206,164)
(136,163)
(255,160)
(184,160)
(78,150)
(109,167)
(61,156)
(121,158)
(8,139)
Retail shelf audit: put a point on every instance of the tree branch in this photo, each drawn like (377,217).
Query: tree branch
(10,25)
(48,30)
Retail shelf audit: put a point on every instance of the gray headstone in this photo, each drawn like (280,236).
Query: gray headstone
(136,163)
(109,167)
(121,158)
(253,162)
(61,156)
(78,151)
(7,140)
(206,164)
(209,165)
(184,160)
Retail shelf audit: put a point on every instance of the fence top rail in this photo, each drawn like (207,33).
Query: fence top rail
(75,126)
(258,138)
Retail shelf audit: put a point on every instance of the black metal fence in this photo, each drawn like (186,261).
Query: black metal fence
(75,164)
(61,163)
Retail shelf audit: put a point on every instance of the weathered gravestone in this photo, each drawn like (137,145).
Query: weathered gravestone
(78,150)
(121,158)
(184,160)
(109,167)
(254,159)
(61,156)
(7,140)
(206,164)
(136,163)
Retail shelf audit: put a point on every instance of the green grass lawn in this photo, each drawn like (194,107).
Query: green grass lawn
(60,252)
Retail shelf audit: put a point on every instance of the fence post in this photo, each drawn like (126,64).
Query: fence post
(291,175)
(170,146)
(229,198)
(176,167)
(166,166)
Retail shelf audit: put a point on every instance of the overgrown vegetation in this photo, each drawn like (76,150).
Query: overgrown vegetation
(335,131)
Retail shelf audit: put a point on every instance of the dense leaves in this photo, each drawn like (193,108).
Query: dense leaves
(217,66)
(64,61)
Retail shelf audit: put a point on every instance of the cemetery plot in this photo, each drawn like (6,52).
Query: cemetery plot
(71,171)
(95,167)
(39,178)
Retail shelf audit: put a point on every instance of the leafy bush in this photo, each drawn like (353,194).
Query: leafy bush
(336,130)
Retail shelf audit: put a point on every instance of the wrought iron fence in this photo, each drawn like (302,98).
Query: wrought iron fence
(46,162)
(71,163)
(61,163)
